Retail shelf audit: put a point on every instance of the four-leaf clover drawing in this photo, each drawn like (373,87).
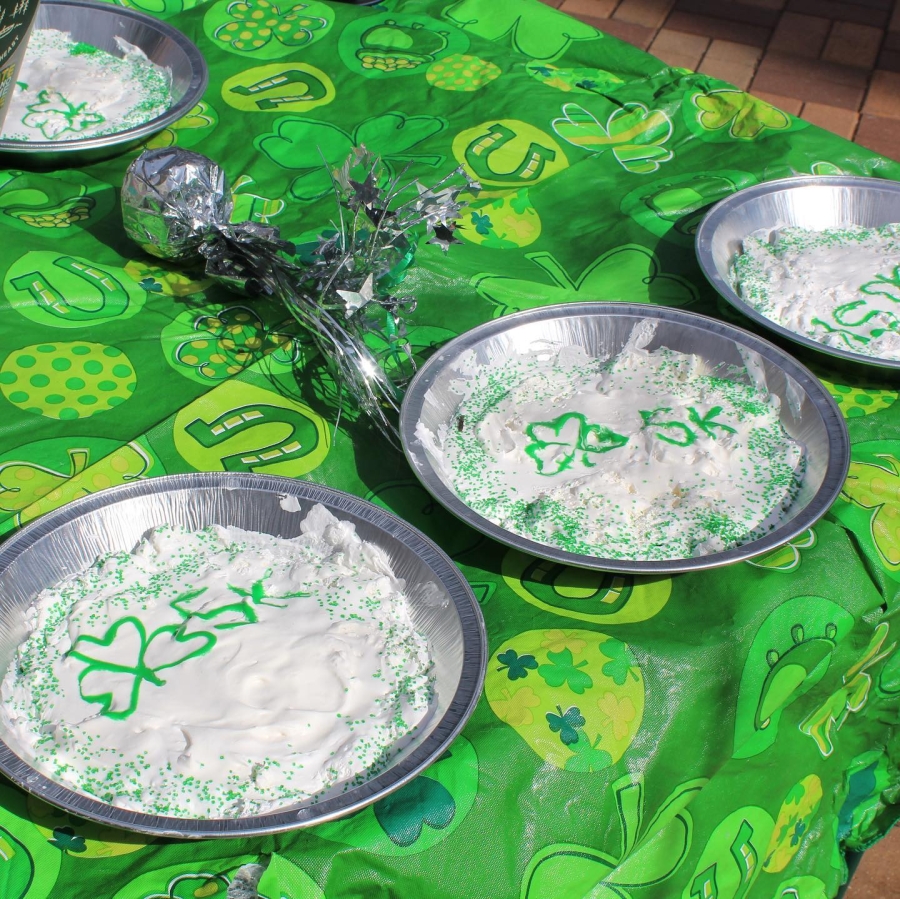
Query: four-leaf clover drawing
(516,666)
(622,664)
(118,663)
(556,445)
(566,723)
(634,132)
(563,670)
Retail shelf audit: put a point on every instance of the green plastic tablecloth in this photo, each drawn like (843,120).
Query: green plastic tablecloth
(739,725)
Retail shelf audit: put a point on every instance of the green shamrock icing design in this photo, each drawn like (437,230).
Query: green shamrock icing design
(629,273)
(535,31)
(516,666)
(622,664)
(563,670)
(313,148)
(255,23)
(115,683)
(557,445)
(242,610)
(53,114)
(566,723)
(746,117)
(634,132)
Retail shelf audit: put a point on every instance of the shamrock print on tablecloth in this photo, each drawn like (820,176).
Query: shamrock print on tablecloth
(730,114)
(416,817)
(404,814)
(514,665)
(583,708)
(563,669)
(633,132)
(556,445)
(630,273)
(312,148)
(265,29)
(515,708)
(535,31)
(566,723)
(622,664)
(119,662)
(502,220)
(66,840)
(648,850)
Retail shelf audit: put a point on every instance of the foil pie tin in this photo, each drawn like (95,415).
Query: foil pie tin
(814,202)
(69,539)
(808,413)
(99,24)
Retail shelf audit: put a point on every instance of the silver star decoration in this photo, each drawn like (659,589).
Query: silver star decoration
(357,299)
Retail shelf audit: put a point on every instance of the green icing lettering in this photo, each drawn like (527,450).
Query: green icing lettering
(873,288)
(244,608)
(707,423)
(688,437)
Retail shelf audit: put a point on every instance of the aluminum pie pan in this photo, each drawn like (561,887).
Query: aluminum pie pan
(98,24)
(70,538)
(808,412)
(807,201)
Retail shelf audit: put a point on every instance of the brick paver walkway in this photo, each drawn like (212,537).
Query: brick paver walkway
(835,63)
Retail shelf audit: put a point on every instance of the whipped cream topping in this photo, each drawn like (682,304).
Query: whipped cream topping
(645,456)
(222,672)
(839,286)
(68,90)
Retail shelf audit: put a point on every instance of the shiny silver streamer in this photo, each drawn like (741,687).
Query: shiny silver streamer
(176,205)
